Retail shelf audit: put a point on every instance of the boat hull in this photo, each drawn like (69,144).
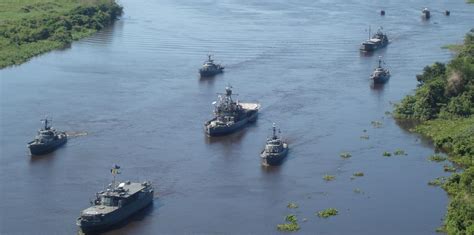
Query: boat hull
(380,79)
(225,130)
(116,216)
(370,47)
(209,73)
(274,159)
(41,149)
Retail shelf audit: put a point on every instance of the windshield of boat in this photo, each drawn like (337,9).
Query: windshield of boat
(109,201)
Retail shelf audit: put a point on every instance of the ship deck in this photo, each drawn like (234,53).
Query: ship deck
(250,106)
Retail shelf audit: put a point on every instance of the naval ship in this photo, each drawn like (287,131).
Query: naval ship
(209,68)
(115,204)
(425,13)
(230,115)
(275,150)
(47,140)
(377,41)
(380,74)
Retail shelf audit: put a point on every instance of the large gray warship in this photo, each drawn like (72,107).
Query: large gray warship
(47,139)
(380,74)
(209,68)
(115,204)
(275,150)
(230,115)
(377,41)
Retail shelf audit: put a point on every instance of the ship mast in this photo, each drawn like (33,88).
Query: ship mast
(274,132)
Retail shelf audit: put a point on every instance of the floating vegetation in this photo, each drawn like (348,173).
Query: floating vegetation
(359,174)
(329,177)
(399,152)
(437,182)
(357,190)
(437,158)
(376,124)
(327,213)
(292,205)
(292,224)
(345,155)
(449,168)
(387,154)
(366,137)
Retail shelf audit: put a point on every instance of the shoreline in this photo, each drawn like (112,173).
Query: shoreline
(30,28)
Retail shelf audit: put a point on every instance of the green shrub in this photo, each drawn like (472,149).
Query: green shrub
(327,213)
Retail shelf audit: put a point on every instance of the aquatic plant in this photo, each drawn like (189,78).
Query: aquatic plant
(327,213)
(437,158)
(387,154)
(359,174)
(437,182)
(292,205)
(329,177)
(345,155)
(399,152)
(292,224)
(449,168)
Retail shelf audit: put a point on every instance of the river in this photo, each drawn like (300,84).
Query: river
(130,95)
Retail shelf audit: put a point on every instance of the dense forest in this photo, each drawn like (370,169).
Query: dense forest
(444,103)
(31,27)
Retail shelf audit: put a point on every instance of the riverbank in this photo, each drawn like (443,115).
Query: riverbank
(32,27)
(444,102)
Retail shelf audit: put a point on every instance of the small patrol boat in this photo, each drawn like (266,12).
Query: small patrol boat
(47,140)
(275,150)
(230,115)
(116,203)
(377,41)
(209,68)
(425,13)
(380,74)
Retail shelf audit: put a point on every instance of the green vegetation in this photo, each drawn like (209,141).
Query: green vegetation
(291,226)
(329,177)
(444,102)
(327,213)
(437,182)
(359,174)
(292,205)
(449,168)
(437,158)
(400,152)
(345,155)
(387,154)
(31,27)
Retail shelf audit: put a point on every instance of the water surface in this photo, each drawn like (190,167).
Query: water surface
(131,96)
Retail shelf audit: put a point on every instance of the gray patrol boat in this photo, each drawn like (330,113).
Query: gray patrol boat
(275,150)
(209,68)
(380,74)
(47,140)
(377,41)
(230,115)
(115,204)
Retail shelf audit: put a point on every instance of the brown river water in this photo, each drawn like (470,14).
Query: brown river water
(130,95)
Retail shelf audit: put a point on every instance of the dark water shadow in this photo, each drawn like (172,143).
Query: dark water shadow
(230,139)
(43,158)
(136,217)
(407,127)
